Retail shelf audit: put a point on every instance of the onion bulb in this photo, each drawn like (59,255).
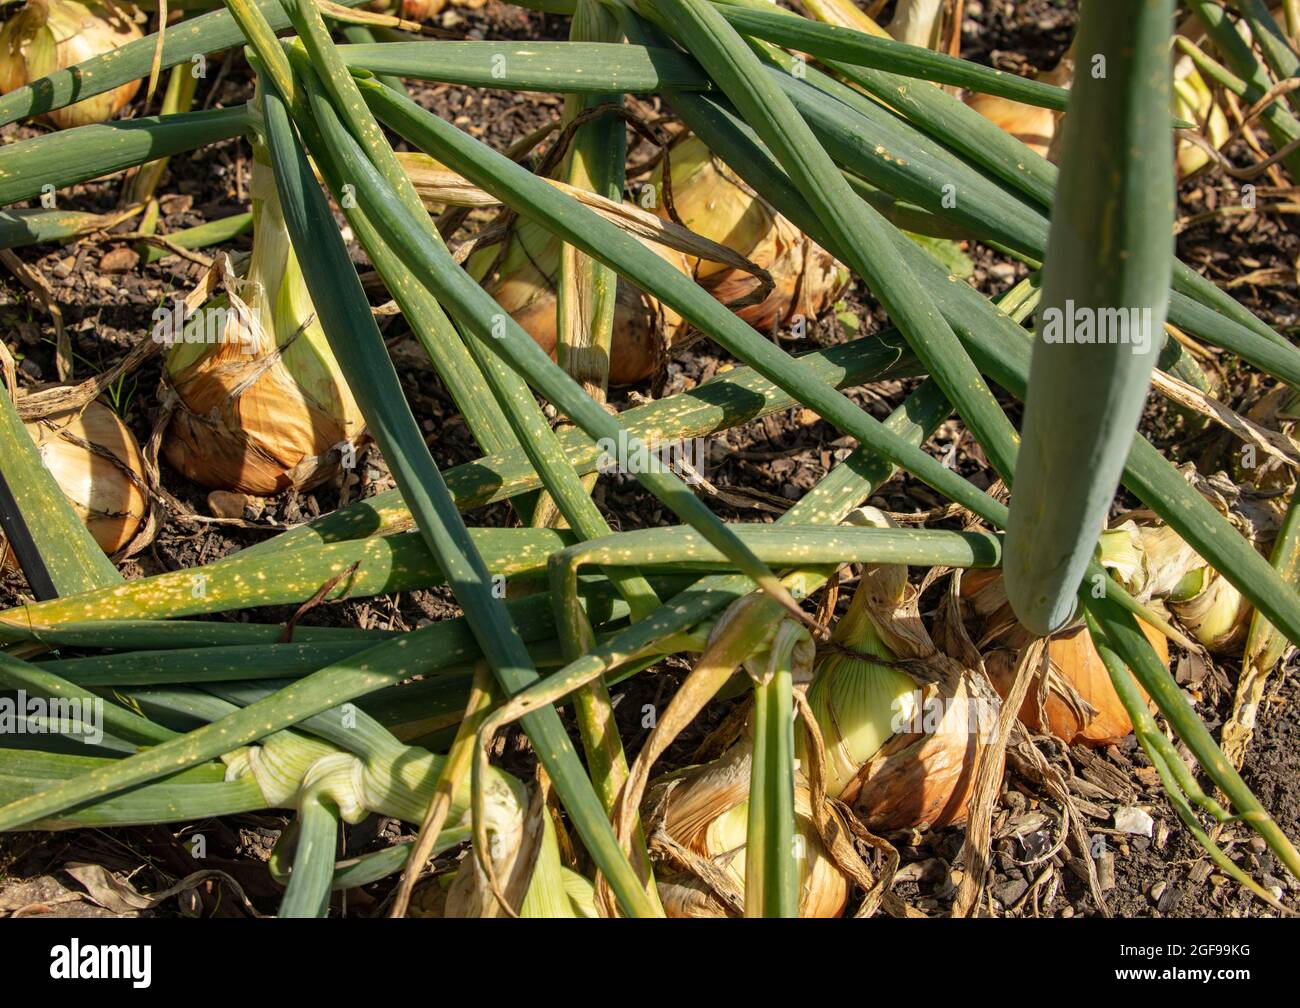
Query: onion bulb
(263,405)
(715,203)
(1207,604)
(1076,677)
(50,35)
(898,754)
(706,811)
(524,284)
(97,464)
(1033,126)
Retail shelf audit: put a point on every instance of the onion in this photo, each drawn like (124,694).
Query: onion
(1218,615)
(264,407)
(714,202)
(97,464)
(1076,677)
(706,811)
(1214,612)
(1033,126)
(524,285)
(898,754)
(49,35)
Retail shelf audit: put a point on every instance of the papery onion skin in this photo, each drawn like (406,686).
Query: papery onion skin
(927,777)
(711,201)
(263,405)
(524,285)
(50,35)
(110,503)
(707,813)
(1074,657)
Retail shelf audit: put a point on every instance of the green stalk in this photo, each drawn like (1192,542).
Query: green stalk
(214,232)
(205,34)
(1128,642)
(384,564)
(854,224)
(308,892)
(573,67)
(771,864)
(88,152)
(117,721)
(1110,250)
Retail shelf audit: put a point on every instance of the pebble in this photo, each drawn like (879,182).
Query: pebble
(119,260)
(1132,819)
(1008,892)
(225,504)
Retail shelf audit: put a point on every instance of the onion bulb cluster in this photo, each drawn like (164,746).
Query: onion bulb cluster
(97,464)
(262,404)
(713,202)
(49,35)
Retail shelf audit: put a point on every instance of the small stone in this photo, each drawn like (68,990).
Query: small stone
(1008,892)
(224,504)
(119,260)
(1134,820)
(807,418)
(1068,912)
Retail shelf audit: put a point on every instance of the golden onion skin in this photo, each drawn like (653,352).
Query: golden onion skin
(711,201)
(93,457)
(645,330)
(50,35)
